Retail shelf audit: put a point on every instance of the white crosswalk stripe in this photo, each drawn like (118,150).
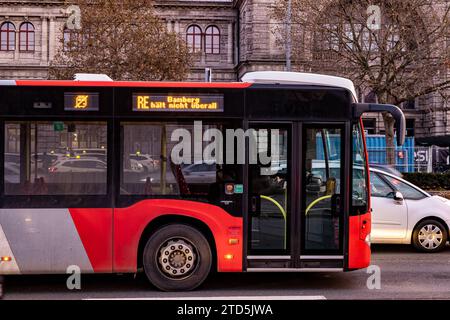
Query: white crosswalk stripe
(229,298)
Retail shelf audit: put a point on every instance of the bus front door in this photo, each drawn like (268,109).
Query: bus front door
(321,197)
(295,209)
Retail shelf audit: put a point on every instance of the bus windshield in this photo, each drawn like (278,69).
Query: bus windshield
(359,180)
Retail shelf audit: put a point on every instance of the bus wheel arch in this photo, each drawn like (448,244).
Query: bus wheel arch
(166,220)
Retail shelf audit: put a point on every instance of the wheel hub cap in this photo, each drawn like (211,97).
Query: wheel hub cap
(177,258)
(430,236)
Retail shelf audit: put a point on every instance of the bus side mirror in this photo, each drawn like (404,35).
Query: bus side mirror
(400,122)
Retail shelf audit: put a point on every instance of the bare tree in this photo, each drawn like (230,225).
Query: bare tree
(123,39)
(394,50)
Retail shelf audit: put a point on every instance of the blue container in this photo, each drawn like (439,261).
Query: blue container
(376,147)
(404,155)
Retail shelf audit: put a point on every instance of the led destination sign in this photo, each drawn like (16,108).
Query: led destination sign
(181,103)
(81,102)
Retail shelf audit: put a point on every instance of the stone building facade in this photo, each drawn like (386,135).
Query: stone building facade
(180,16)
(247,41)
(47,18)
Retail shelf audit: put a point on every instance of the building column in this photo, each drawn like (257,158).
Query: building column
(230,43)
(177,27)
(16,43)
(51,39)
(236,44)
(44,40)
(169,25)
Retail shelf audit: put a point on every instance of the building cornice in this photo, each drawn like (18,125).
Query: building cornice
(46,3)
(193,4)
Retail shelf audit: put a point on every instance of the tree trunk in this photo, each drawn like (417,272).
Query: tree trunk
(390,143)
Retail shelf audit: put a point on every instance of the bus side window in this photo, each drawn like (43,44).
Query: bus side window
(43,158)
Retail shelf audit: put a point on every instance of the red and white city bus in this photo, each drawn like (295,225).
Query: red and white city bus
(92,177)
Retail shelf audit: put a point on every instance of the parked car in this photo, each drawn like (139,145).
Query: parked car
(78,165)
(203,173)
(146,161)
(387,168)
(405,214)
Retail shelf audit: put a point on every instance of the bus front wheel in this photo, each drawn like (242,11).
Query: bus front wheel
(177,257)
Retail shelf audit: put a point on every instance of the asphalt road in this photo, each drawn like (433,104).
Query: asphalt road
(405,274)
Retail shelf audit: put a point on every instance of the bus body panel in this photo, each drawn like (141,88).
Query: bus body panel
(359,250)
(95,227)
(48,241)
(130,223)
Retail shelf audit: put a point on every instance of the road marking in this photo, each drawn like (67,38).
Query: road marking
(231,298)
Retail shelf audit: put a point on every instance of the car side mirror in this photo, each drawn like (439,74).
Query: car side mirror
(398,196)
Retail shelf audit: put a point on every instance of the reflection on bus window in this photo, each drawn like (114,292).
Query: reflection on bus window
(148,168)
(322,197)
(270,186)
(55,158)
(359,179)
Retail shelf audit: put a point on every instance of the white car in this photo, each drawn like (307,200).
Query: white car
(203,173)
(147,162)
(405,214)
(83,165)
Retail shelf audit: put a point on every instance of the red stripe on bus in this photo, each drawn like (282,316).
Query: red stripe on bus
(130,223)
(133,84)
(94,227)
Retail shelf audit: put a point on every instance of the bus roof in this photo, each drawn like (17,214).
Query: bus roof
(264,77)
(124,84)
(281,77)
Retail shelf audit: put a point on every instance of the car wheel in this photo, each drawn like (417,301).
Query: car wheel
(177,257)
(430,236)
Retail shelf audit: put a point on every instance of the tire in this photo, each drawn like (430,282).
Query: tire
(167,255)
(430,236)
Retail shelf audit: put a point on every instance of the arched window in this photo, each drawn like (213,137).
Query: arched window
(70,39)
(194,38)
(26,37)
(212,40)
(7,37)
